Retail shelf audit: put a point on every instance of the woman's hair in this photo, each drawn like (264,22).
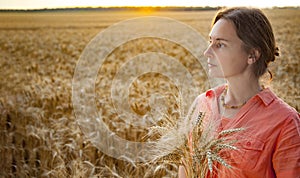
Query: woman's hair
(255,30)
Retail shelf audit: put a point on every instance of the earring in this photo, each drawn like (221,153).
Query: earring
(252,58)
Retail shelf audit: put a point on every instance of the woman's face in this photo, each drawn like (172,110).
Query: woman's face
(226,55)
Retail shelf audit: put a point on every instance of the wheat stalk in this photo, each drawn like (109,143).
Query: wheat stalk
(200,153)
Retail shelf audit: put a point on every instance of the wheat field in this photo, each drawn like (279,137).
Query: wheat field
(39,133)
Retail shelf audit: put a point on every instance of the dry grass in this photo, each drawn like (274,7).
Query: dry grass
(39,135)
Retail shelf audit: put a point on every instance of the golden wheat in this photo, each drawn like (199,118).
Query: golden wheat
(39,134)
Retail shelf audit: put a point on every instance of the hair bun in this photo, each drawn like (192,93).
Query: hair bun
(276,53)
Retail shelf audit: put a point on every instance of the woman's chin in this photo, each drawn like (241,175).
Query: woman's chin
(215,75)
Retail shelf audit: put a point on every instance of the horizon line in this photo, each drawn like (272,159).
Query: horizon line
(139,7)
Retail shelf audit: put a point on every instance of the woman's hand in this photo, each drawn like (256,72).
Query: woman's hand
(181,172)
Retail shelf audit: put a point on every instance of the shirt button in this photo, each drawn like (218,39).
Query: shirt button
(248,143)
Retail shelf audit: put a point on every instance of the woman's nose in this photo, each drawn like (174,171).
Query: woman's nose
(207,53)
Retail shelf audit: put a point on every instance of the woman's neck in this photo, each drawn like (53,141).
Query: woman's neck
(240,91)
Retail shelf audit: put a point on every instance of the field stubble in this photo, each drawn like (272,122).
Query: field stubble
(39,52)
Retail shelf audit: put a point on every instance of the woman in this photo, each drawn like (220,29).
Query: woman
(241,46)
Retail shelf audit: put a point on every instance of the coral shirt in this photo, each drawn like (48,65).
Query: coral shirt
(270,145)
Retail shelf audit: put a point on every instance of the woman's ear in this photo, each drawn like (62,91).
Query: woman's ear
(254,55)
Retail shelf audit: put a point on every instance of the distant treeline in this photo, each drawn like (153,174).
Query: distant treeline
(128,8)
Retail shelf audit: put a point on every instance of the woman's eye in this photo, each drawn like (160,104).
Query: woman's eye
(219,45)
(216,44)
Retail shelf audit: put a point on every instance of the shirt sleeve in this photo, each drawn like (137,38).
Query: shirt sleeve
(286,158)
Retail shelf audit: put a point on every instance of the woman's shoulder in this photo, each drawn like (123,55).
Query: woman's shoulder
(275,104)
(268,96)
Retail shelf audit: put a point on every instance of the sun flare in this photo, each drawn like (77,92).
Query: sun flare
(37,4)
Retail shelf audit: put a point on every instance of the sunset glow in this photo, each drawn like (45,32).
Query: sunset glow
(41,4)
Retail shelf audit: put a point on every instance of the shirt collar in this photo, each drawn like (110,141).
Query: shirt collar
(214,92)
(266,96)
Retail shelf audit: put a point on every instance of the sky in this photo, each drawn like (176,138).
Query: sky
(41,4)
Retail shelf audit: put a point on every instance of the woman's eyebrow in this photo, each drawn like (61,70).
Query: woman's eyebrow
(219,39)
(222,39)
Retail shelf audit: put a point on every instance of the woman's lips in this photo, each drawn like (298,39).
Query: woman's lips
(211,65)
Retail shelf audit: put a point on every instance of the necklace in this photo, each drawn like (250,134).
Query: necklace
(227,106)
